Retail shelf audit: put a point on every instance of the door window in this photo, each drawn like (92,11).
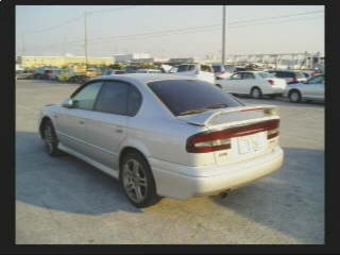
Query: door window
(113,98)
(316,80)
(85,98)
(248,76)
(236,76)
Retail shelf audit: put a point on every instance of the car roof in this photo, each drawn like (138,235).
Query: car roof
(143,77)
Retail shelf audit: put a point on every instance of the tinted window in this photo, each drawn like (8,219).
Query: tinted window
(85,98)
(113,98)
(183,95)
(184,68)
(134,101)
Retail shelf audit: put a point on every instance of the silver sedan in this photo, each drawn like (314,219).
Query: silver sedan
(164,136)
(313,89)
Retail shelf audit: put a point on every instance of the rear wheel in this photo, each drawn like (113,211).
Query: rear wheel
(256,93)
(137,181)
(295,96)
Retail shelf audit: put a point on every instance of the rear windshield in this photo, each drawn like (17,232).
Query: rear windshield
(183,95)
(266,75)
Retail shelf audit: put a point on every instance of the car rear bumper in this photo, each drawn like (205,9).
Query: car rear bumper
(172,182)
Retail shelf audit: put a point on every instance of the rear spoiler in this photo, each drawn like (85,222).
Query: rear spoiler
(233,114)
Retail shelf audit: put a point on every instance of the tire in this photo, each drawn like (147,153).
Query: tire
(137,180)
(256,93)
(295,96)
(51,139)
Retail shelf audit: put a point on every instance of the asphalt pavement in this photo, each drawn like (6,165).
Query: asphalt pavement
(66,201)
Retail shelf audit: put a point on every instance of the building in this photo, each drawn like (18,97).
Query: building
(129,58)
(60,61)
(181,60)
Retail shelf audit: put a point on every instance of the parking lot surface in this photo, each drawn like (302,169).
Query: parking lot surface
(66,201)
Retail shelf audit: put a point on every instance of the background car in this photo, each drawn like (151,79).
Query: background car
(253,83)
(163,135)
(313,89)
(290,76)
(223,71)
(148,71)
(24,74)
(113,71)
(199,71)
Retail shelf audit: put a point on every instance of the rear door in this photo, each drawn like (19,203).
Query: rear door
(247,82)
(107,127)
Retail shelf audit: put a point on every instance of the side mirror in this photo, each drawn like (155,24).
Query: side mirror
(68,103)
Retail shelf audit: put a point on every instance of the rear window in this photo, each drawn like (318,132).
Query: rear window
(184,95)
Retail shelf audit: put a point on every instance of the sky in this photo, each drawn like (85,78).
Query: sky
(169,31)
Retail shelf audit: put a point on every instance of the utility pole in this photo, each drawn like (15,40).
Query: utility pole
(223,36)
(86,40)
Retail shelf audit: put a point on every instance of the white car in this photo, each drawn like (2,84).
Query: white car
(163,135)
(313,89)
(223,71)
(253,83)
(198,71)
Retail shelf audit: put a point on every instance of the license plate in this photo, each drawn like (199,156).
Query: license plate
(252,143)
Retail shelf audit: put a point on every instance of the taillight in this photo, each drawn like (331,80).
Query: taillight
(220,140)
(271,82)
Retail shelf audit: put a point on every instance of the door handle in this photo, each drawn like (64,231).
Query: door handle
(118,130)
(55,116)
(81,122)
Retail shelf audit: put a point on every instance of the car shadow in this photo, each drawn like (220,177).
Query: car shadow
(290,200)
(64,183)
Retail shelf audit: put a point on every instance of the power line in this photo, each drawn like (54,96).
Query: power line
(275,17)
(277,22)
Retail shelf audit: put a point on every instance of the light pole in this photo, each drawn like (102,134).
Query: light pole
(223,35)
(86,40)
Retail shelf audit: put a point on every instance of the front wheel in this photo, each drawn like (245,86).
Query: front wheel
(256,93)
(137,181)
(51,139)
(295,96)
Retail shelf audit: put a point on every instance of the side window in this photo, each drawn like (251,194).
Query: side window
(236,76)
(248,76)
(86,97)
(134,101)
(113,98)
(316,80)
(182,68)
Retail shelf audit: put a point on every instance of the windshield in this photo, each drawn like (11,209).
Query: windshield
(266,75)
(183,97)
(217,69)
